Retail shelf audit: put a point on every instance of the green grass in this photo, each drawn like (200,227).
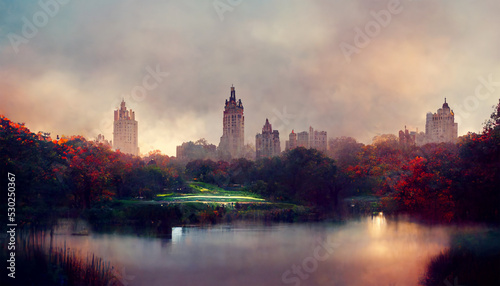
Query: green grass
(165,195)
(203,192)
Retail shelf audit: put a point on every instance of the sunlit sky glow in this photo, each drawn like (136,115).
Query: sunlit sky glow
(283,57)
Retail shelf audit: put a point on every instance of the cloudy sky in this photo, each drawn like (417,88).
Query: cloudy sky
(351,68)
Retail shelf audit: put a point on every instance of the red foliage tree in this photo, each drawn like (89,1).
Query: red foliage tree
(424,192)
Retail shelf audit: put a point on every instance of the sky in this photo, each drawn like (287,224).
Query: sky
(351,68)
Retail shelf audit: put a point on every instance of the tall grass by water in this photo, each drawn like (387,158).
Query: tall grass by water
(38,263)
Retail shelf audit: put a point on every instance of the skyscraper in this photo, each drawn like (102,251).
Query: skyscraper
(441,126)
(267,144)
(317,139)
(125,135)
(233,122)
(303,139)
(291,143)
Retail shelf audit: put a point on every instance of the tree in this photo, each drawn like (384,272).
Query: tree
(425,193)
(344,150)
(90,173)
(240,170)
(477,188)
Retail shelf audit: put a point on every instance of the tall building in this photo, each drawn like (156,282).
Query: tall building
(314,139)
(267,144)
(303,139)
(125,135)
(291,142)
(317,140)
(441,126)
(233,133)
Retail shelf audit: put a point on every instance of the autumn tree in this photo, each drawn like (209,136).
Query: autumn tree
(477,189)
(424,192)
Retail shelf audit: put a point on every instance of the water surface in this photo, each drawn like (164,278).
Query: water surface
(369,251)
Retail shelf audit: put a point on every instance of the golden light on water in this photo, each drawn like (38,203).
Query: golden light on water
(370,251)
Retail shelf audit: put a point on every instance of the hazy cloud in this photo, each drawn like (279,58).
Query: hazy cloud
(68,78)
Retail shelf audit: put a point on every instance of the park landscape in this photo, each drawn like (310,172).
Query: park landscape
(331,167)
(449,186)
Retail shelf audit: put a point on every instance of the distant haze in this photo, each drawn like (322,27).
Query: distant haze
(283,57)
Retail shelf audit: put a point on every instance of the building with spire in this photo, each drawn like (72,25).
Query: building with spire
(233,132)
(125,131)
(267,144)
(441,126)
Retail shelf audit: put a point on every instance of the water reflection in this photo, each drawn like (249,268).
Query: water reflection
(369,251)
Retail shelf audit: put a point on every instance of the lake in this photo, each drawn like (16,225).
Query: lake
(368,251)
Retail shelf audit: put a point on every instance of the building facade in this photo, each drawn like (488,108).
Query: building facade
(233,133)
(125,131)
(291,143)
(267,144)
(313,139)
(303,139)
(441,126)
(318,140)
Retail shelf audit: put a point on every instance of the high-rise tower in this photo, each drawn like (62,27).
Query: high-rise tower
(233,133)
(441,126)
(125,135)
(267,144)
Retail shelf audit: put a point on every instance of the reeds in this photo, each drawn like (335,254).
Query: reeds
(60,265)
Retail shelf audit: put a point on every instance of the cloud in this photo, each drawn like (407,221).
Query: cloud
(70,76)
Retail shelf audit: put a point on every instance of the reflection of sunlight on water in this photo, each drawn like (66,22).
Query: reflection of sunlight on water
(377,230)
(176,234)
(380,251)
(378,225)
(372,251)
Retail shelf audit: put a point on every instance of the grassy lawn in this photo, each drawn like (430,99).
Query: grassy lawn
(203,192)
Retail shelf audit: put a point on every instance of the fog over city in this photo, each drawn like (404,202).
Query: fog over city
(351,68)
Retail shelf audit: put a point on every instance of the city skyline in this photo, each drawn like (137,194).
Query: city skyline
(172,63)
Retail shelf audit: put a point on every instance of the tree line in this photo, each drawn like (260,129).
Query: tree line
(438,182)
